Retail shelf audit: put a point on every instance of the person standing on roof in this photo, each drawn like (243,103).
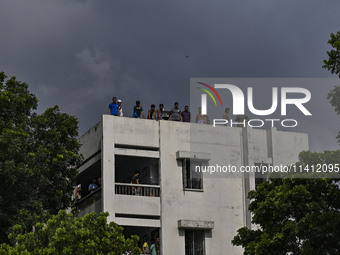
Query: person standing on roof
(114,107)
(152,112)
(175,114)
(138,111)
(186,116)
(226,116)
(120,108)
(162,114)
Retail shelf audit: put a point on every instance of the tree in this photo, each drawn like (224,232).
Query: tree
(299,215)
(333,62)
(334,97)
(65,234)
(38,157)
(295,215)
(333,65)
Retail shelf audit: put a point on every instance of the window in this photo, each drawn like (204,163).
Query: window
(192,178)
(194,242)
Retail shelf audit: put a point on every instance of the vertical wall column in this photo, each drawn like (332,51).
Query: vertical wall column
(272,144)
(108,169)
(248,179)
(160,183)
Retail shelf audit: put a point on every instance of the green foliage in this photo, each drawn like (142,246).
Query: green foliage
(300,214)
(297,215)
(314,165)
(38,157)
(333,65)
(65,234)
(334,97)
(333,62)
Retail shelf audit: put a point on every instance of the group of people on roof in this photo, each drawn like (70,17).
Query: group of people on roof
(175,114)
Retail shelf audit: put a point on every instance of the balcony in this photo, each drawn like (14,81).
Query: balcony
(137,190)
(137,200)
(130,200)
(89,203)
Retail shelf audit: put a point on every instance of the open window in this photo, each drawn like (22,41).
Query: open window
(194,242)
(192,174)
(129,169)
(125,167)
(192,165)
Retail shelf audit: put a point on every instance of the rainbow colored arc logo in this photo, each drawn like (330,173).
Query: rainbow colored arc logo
(209,93)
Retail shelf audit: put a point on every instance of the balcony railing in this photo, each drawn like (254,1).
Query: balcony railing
(137,189)
(90,203)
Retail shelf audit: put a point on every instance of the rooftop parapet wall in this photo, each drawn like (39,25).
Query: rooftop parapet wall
(207,136)
(136,132)
(145,133)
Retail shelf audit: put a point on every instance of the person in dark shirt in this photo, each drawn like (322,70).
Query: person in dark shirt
(175,114)
(152,113)
(138,111)
(93,186)
(226,116)
(162,114)
(135,180)
(242,120)
(186,116)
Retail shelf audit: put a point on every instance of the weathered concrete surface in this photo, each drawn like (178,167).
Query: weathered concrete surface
(223,198)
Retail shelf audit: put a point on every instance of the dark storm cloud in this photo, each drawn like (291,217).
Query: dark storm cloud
(78,54)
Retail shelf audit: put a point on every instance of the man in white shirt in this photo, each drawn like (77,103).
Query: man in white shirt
(120,108)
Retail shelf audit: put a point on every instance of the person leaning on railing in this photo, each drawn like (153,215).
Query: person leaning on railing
(93,186)
(77,193)
(135,180)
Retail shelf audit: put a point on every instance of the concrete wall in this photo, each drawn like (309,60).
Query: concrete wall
(91,141)
(133,133)
(137,205)
(137,132)
(223,198)
(92,207)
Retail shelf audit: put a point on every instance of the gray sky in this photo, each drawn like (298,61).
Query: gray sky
(78,54)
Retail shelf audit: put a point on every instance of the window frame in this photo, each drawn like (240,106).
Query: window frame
(187,175)
(194,239)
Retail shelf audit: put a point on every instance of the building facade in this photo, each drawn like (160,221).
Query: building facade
(192,212)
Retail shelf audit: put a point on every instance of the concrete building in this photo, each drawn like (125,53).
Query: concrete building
(191,212)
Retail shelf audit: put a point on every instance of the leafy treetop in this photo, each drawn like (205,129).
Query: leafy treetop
(66,234)
(39,155)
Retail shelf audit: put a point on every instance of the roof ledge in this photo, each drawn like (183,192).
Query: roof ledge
(196,224)
(193,155)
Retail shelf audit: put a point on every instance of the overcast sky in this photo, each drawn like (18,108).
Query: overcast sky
(78,54)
